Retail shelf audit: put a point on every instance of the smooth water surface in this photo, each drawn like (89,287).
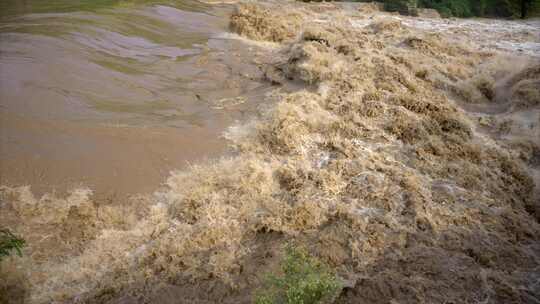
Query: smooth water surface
(113,95)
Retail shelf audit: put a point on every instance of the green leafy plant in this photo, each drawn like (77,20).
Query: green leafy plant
(305,280)
(465,8)
(10,242)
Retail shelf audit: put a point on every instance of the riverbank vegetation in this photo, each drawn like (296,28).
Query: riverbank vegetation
(304,280)
(468,8)
(10,243)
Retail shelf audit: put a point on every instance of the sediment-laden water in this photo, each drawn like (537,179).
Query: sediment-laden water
(113,95)
(403,152)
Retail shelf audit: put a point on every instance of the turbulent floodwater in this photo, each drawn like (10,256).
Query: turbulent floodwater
(113,95)
(403,152)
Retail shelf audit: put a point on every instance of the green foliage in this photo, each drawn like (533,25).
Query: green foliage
(534,8)
(504,8)
(10,242)
(466,8)
(305,280)
(479,7)
(447,8)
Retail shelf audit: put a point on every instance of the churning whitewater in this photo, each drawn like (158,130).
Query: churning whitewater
(404,157)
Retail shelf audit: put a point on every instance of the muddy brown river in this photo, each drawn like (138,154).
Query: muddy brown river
(114,95)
